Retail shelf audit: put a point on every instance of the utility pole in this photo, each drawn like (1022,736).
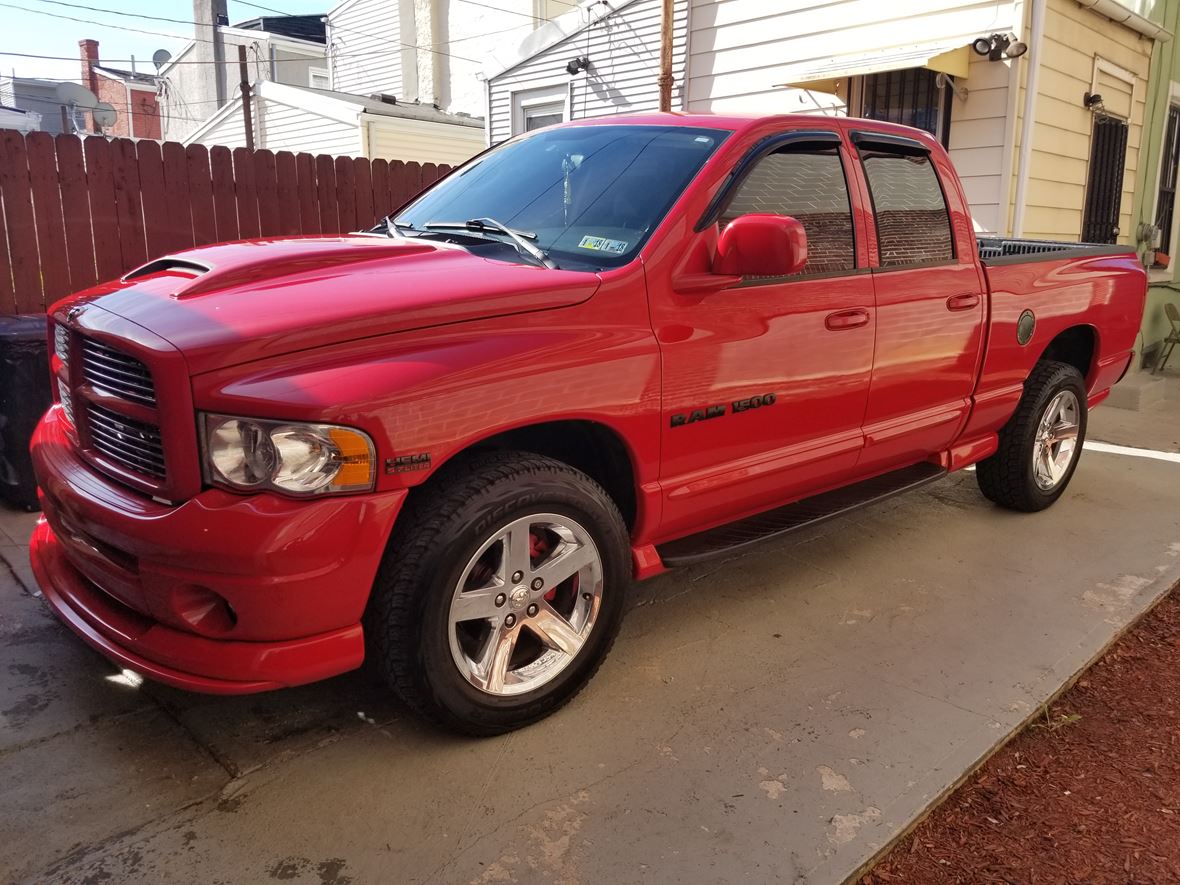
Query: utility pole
(665,80)
(247,115)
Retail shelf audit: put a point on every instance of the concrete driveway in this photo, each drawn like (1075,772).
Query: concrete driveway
(775,717)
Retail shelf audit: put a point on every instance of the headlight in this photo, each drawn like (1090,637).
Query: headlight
(253,455)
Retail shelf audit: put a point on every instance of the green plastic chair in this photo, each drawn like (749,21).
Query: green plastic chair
(1169,344)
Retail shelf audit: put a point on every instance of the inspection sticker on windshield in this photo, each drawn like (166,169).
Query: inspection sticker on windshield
(602,244)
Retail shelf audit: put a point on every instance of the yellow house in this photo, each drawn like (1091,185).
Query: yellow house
(1076,138)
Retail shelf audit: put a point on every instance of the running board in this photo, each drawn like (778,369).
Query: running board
(753,530)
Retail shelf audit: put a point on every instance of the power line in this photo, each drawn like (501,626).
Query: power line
(138,15)
(106,61)
(89,21)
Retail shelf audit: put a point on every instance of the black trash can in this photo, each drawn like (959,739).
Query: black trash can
(24,397)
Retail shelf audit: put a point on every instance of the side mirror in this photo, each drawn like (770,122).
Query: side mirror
(761,245)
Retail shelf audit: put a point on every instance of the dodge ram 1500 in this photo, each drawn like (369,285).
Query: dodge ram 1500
(592,353)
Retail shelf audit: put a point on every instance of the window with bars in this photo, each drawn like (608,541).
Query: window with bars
(911,97)
(1166,200)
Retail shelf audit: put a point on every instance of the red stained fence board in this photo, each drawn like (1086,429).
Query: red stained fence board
(83,210)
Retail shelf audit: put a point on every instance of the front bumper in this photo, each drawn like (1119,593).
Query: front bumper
(224,593)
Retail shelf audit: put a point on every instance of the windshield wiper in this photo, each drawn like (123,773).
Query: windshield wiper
(392,228)
(489,225)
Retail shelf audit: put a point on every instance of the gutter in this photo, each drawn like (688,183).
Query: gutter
(1028,124)
(1116,12)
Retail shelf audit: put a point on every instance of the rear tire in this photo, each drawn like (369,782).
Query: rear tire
(458,625)
(1041,443)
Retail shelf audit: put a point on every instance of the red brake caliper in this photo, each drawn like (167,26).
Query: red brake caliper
(539,548)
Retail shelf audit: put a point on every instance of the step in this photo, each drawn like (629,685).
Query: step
(1138,392)
(752,530)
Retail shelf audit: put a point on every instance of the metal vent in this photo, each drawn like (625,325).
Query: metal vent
(133,444)
(117,373)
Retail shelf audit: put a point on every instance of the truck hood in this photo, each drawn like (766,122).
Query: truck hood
(237,302)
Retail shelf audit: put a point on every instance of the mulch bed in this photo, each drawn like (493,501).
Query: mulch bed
(1088,793)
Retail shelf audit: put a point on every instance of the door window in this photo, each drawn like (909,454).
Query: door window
(913,224)
(809,186)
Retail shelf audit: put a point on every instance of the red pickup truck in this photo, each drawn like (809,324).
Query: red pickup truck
(592,353)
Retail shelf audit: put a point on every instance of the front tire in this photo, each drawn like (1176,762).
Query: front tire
(501,593)
(1041,443)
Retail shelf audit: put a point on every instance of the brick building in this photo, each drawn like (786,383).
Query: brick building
(132,94)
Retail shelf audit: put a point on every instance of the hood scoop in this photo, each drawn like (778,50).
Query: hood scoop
(168,264)
(238,265)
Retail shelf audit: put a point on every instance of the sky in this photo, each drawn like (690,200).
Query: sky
(37,27)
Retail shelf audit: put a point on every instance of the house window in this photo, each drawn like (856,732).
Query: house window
(912,98)
(537,108)
(318,78)
(913,224)
(1166,200)
(809,186)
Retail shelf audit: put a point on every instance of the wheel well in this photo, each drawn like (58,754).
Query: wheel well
(1075,346)
(592,448)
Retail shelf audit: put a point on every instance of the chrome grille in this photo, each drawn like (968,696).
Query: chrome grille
(117,373)
(67,401)
(61,343)
(135,445)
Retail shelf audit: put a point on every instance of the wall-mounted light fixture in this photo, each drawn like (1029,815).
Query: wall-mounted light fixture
(1092,101)
(577,65)
(999,46)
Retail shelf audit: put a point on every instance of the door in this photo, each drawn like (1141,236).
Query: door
(765,383)
(930,302)
(1104,184)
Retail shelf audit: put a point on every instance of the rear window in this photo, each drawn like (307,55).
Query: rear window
(913,224)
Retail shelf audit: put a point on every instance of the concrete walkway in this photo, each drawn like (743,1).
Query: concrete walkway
(775,717)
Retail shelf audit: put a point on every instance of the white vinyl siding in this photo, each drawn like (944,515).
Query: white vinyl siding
(422,142)
(978,128)
(286,128)
(364,47)
(229,131)
(624,53)
(743,51)
(281,127)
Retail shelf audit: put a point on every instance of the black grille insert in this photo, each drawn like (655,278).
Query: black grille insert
(117,373)
(133,444)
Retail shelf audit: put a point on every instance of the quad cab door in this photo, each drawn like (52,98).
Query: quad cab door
(766,382)
(930,301)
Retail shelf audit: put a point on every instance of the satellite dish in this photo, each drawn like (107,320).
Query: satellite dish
(76,95)
(160,58)
(104,115)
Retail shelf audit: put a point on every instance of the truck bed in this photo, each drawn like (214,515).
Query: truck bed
(995,251)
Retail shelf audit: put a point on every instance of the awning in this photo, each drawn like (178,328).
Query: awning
(949,58)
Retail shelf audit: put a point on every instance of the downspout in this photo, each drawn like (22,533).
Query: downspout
(1028,125)
(1008,161)
(130,114)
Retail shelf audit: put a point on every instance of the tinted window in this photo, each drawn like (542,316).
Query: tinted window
(585,195)
(913,224)
(809,186)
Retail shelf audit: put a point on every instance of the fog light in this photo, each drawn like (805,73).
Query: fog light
(202,610)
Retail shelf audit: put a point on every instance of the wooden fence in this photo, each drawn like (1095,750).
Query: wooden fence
(74,212)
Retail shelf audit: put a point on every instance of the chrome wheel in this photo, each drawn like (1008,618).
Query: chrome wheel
(1056,442)
(525,604)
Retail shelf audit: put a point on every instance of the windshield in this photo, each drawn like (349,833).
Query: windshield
(583,195)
